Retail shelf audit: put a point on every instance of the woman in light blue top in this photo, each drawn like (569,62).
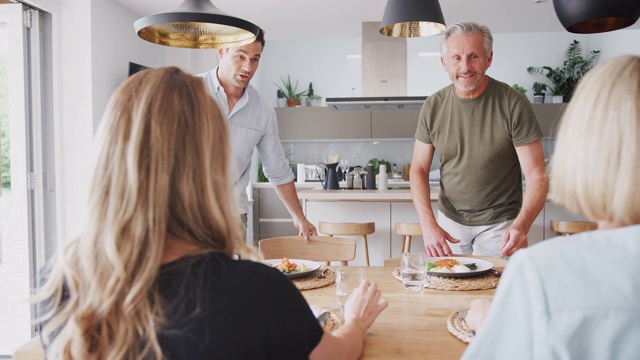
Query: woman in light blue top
(579,297)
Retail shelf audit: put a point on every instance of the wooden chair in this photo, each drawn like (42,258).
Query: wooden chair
(566,228)
(321,248)
(391,262)
(31,350)
(362,229)
(407,230)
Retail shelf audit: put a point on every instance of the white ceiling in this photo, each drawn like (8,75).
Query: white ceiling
(294,19)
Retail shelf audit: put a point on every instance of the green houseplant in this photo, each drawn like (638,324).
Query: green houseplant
(314,100)
(291,91)
(519,88)
(564,79)
(538,92)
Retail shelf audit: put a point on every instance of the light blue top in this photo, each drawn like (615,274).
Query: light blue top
(252,124)
(567,298)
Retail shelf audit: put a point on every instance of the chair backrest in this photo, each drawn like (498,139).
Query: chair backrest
(571,227)
(410,229)
(391,262)
(346,228)
(321,248)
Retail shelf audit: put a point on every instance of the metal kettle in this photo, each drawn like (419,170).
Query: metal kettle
(331,180)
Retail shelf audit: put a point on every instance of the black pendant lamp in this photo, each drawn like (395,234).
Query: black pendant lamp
(196,24)
(412,18)
(596,16)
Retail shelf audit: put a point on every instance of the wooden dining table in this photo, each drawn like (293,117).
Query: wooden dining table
(414,325)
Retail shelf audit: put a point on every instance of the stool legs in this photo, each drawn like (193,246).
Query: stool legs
(365,247)
(406,244)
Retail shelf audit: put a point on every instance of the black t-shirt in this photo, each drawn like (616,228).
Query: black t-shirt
(219,308)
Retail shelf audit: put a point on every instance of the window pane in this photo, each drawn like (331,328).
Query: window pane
(15,260)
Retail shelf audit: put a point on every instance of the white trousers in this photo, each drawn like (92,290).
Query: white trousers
(482,240)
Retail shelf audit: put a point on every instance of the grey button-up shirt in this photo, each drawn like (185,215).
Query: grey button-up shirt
(252,124)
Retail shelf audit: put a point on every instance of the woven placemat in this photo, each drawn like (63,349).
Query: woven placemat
(482,282)
(459,328)
(313,281)
(332,321)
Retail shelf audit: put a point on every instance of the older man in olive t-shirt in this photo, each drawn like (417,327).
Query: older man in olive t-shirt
(487,135)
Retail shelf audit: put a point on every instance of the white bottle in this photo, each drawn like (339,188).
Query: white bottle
(383,179)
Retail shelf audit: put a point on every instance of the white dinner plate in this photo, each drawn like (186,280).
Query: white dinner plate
(483,267)
(311,267)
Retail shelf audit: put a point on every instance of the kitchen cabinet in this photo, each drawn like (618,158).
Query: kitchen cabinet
(394,124)
(315,123)
(311,123)
(270,216)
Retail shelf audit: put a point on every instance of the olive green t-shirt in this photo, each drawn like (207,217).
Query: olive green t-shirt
(480,176)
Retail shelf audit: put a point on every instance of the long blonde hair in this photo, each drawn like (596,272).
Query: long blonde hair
(160,178)
(596,163)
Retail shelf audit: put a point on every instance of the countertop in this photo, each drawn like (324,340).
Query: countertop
(360,195)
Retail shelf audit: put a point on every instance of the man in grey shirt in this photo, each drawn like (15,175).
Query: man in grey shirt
(253,124)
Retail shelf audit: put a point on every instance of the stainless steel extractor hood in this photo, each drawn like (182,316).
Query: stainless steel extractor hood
(376,103)
(384,75)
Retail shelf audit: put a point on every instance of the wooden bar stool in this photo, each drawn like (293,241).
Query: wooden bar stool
(362,229)
(566,228)
(407,230)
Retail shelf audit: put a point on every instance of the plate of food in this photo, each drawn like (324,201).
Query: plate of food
(456,267)
(293,268)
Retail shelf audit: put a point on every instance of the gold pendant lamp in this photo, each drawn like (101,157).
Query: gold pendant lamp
(412,18)
(196,24)
(596,16)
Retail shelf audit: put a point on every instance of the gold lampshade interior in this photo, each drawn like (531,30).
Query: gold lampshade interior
(196,35)
(413,29)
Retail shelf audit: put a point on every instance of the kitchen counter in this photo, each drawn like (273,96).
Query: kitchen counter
(360,195)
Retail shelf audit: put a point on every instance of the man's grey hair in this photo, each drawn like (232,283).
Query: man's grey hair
(467,28)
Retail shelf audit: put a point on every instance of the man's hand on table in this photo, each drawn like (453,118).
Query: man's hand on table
(435,241)
(513,238)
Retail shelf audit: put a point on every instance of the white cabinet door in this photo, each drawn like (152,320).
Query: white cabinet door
(358,212)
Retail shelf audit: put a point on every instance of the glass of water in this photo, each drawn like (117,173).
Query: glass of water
(413,270)
(347,280)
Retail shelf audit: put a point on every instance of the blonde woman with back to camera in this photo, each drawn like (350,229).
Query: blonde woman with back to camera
(577,297)
(151,276)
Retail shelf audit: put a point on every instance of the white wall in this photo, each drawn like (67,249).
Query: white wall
(324,62)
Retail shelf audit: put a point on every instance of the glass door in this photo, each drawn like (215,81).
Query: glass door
(16,259)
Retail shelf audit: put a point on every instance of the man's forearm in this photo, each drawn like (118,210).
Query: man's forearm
(289,197)
(421,195)
(535,195)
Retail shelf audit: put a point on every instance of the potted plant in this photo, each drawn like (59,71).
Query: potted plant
(291,91)
(566,78)
(538,92)
(519,88)
(314,100)
(282,98)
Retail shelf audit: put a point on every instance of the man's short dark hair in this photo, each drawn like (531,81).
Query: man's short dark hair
(260,37)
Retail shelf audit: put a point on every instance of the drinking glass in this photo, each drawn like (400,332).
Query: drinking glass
(413,270)
(345,167)
(347,280)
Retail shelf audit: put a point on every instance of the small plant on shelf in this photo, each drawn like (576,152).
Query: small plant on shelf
(519,88)
(291,91)
(314,100)
(538,92)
